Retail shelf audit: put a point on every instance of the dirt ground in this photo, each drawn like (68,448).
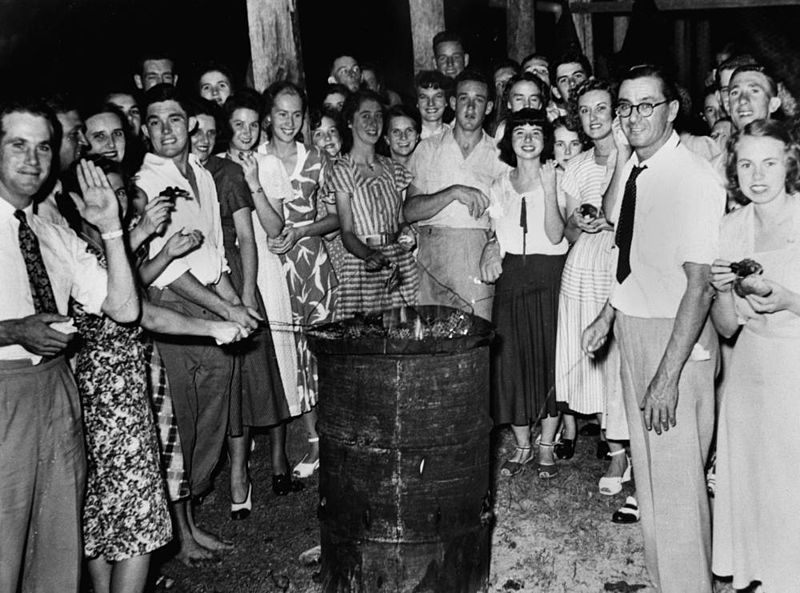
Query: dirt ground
(550,536)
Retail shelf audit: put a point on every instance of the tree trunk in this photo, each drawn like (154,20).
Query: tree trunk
(520,28)
(427,19)
(274,42)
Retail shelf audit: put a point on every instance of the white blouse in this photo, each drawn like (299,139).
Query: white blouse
(505,211)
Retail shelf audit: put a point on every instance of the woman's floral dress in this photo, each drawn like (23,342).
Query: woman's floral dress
(125,513)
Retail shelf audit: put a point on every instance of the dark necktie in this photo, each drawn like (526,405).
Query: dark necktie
(624,235)
(41,289)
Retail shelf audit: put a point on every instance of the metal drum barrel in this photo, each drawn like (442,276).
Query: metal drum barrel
(404,464)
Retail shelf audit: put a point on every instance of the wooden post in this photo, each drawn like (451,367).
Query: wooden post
(520,28)
(702,47)
(621,24)
(274,42)
(583,27)
(682,54)
(427,19)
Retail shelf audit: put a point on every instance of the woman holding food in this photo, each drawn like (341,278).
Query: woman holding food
(757,283)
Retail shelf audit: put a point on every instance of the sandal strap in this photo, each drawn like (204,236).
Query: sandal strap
(313,439)
(616,453)
(541,444)
(528,448)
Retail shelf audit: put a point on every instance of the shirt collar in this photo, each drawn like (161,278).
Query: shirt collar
(662,154)
(154,160)
(449,136)
(7,210)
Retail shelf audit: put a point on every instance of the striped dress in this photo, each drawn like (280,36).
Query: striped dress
(581,381)
(375,204)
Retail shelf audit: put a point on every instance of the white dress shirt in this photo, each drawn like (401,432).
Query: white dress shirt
(438,163)
(679,205)
(73,272)
(207,262)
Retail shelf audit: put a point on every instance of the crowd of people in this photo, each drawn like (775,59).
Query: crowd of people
(167,247)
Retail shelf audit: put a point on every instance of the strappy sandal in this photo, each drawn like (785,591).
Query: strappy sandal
(609,486)
(511,467)
(546,471)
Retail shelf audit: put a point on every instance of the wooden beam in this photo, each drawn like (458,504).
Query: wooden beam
(625,6)
(520,28)
(274,42)
(620,24)
(427,19)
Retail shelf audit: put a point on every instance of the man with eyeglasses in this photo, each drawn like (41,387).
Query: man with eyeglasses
(449,55)
(667,214)
(346,71)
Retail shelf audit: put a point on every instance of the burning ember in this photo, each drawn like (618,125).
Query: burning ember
(404,326)
(404,330)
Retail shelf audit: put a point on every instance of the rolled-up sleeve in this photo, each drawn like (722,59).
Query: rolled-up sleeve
(699,227)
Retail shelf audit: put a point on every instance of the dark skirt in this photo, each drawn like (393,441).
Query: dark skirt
(257,397)
(524,352)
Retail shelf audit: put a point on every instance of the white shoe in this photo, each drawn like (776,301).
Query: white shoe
(611,486)
(306,469)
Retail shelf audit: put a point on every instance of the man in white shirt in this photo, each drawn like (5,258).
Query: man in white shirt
(667,228)
(448,199)
(42,465)
(197,284)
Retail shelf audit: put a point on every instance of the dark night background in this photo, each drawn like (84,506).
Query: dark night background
(90,46)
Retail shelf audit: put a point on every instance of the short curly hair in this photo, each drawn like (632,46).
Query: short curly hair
(587,86)
(763,128)
(533,117)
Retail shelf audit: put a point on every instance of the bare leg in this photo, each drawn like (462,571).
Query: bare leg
(310,423)
(522,438)
(618,463)
(569,427)
(545,456)
(205,538)
(239,448)
(100,571)
(190,553)
(277,439)
(130,575)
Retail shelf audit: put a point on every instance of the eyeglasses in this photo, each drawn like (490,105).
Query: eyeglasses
(643,109)
(354,71)
(452,59)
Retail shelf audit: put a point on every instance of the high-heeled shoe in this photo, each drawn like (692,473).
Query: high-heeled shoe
(565,449)
(511,467)
(609,486)
(546,471)
(305,469)
(282,485)
(241,510)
